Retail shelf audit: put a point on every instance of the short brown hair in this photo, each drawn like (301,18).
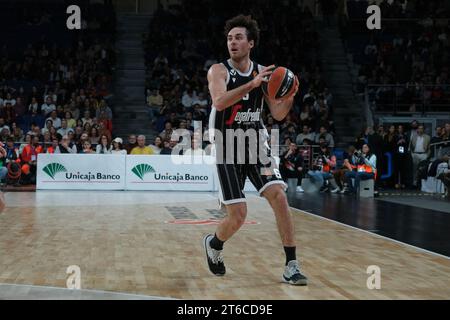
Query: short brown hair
(244,22)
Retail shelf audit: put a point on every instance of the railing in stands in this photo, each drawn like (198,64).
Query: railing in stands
(405,99)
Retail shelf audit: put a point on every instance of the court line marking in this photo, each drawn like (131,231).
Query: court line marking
(371,233)
(87,291)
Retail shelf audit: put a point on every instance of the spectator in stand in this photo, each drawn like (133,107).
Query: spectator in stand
(87,118)
(323,167)
(5,133)
(3,124)
(94,135)
(349,164)
(328,137)
(64,130)
(48,107)
(390,146)
(12,153)
(104,130)
(48,126)
(157,145)
(71,122)
(33,107)
(103,147)
(141,148)
(16,132)
(83,138)
(401,158)
(167,150)
(52,131)
(8,113)
(131,143)
(65,146)
(196,147)
(420,150)
(29,156)
(167,132)
(52,148)
(87,148)
(306,116)
(117,147)
(56,121)
(201,104)
(366,168)
(188,100)
(291,166)
(154,104)
(305,134)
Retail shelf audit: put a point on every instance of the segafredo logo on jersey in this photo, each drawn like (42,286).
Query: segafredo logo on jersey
(243,116)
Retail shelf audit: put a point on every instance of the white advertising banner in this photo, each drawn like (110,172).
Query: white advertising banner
(166,172)
(81,171)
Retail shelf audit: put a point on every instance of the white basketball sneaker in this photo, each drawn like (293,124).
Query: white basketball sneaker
(292,274)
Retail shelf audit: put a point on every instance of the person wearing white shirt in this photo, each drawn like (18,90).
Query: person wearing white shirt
(196,148)
(64,130)
(48,126)
(202,102)
(9,99)
(188,98)
(117,146)
(48,106)
(103,146)
(420,149)
(55,119)
(34,106)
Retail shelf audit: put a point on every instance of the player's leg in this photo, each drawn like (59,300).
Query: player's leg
(231,185)
(236,214)
(273,188)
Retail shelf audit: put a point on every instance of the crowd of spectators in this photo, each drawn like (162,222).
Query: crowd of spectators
(54,89)
(405,64)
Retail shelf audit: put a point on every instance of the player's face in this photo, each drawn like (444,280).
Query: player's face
(238,44)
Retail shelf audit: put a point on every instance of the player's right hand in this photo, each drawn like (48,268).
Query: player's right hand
(263,76)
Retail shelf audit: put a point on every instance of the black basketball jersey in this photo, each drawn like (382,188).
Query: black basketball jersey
(244,114)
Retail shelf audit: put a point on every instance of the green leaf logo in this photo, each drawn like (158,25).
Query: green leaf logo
(53,168)
(142,169)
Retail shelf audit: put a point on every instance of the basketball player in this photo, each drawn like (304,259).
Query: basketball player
(235,87)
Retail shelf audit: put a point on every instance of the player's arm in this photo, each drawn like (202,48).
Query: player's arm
(279,108)
(221,98)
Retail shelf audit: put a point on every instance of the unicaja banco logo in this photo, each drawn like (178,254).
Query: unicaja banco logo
(53,168)
(142,169)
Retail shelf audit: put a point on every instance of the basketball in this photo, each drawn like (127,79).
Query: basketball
(281,83)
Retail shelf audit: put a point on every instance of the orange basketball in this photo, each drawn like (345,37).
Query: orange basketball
(281,83)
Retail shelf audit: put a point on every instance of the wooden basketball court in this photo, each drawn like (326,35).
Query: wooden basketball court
(149,243)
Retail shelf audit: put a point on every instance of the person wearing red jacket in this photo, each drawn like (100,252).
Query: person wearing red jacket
(29,159)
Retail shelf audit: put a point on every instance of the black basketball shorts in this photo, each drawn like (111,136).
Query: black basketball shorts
(232,179)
